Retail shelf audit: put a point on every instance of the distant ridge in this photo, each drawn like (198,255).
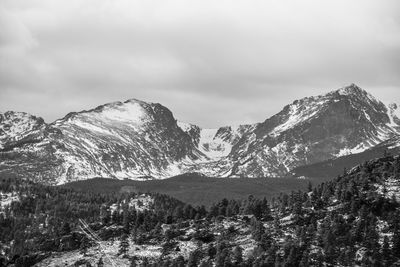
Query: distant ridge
(139,140)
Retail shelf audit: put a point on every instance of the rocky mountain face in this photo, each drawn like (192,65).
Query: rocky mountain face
(312,129)
(139,140)
(123,140)
(18,128)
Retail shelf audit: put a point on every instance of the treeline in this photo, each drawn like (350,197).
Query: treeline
(346,222)
(43,215)
(350,221)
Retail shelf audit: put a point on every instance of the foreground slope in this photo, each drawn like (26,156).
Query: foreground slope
(350,221)
(139,140)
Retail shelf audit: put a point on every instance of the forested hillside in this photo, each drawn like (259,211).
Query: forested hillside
(352,220)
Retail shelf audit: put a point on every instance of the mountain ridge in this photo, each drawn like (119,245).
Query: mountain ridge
(139,140)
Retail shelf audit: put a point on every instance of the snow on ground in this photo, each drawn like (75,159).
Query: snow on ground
(335,207)
(247,243)
(185,248)
(382,229)
(142,202)
(213,146)
(108,250)
(390,187)
(287,220)
(7,198)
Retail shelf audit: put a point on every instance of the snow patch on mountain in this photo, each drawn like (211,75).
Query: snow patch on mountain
(353,89)
(139,140)
(91,127)
(348,151)
(214,147)
(130,111)
(15,126)
(394,115)
(186,127)
(298,114)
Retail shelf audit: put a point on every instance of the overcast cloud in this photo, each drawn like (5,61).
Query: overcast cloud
(212,63)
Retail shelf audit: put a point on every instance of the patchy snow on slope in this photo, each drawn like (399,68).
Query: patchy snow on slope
(16,125)
(348,151)
(393,114)
(107,250)
(300,113)
(396,112)
(92,127)
(391,187)
(7,198)
(130,113)
(142,202)
(186,127)
(213,146)
(353,89)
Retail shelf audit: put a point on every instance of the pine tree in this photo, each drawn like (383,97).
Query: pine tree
(396,244)
(132,262)
(193,259)
(179,261)
(126,219)
(84,246)
(100,263)
(238,255)
(304,259)
(123,245)
(386,255)
(211,251)
(205,264)
(309,186)
(66,229)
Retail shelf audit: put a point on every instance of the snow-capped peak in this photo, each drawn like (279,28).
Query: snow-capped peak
(129,111)
(15,126)
(350,89)
(355,91)
(136,139)
(186,127)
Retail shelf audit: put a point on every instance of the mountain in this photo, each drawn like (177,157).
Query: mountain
(129,139)
(313,129)
(19,128)
(139,140)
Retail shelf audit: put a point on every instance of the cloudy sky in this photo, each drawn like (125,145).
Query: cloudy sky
(211,62)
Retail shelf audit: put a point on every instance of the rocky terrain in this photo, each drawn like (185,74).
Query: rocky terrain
(139,140)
